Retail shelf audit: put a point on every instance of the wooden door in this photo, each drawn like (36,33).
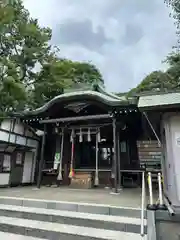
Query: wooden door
(16,168)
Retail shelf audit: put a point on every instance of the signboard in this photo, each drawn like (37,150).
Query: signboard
(56,160)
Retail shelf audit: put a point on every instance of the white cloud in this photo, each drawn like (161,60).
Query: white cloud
(128,39)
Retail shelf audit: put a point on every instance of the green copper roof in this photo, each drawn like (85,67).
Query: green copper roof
(97,93)
(159,100)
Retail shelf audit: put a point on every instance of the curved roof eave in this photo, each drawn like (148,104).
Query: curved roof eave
(103,91)
(104,98)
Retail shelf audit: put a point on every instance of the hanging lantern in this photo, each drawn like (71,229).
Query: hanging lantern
(80,135)
(99,136)
(56,130)
(89,135)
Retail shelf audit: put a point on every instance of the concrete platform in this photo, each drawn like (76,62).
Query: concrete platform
(126,197)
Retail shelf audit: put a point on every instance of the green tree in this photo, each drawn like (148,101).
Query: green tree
(173,70)
(23,47)
(85,73)
(60,74)
(154,82)
(31,72)
(175,13)
(161,81)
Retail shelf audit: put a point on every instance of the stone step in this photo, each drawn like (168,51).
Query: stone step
(73,206)
(8,236)
(100,221)
(56,231)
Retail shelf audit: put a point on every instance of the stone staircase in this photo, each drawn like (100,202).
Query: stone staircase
(22,218)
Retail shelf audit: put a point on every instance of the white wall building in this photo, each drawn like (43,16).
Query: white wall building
(18,153)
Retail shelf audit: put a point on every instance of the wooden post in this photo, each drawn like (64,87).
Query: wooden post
(115,153)
(41,162)
(119,159)
(96,181)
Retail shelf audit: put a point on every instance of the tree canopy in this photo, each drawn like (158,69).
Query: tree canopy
(161,81)
(154,82)
(60,74)
(31,72)
(175,14)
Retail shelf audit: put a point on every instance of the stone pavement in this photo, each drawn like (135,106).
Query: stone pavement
(64,213)
(126,197)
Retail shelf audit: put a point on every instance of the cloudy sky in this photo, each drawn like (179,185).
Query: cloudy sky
(125,39)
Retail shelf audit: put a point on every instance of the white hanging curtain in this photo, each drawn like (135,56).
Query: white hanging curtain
(89,135)
(80,136)
(72,135)
(99,136)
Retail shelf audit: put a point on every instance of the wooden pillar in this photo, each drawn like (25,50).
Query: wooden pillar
(115,159)
(119,159)
(41,162)
(96,180)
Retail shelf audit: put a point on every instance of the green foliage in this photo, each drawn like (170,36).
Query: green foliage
(30,71)
(51,81)
(175,14)
(173,71)
(85,73)
(60,74)
(159,81)
(23,45)
(154,82)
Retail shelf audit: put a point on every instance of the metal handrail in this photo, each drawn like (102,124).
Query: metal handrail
(143,196)
(151,200)
(169,208)
(160,189)
(161,204)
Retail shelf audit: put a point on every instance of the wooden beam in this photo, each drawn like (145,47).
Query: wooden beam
(74,119)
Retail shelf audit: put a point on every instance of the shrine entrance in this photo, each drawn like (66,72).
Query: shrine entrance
(83,156)
(88,138)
